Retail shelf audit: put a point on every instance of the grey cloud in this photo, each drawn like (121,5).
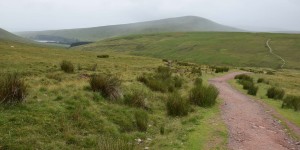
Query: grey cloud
(20,15)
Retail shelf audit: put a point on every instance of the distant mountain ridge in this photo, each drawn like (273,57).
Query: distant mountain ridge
(179,24)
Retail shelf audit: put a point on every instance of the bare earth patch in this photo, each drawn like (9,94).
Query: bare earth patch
(250,125)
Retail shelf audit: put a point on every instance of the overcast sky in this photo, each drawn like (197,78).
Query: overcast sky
(24,15)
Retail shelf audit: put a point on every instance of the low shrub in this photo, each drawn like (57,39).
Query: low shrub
(197,71)
(221,69)
(275,93)
(143,79)
(185,64)
(204,96)
(12,89)
(158,85)
(162,80)
(292,102)
(136,98)
(260,80)
(176,105)
(198,82)
(165,60)
(141,118)
(108,86)
(163,72)
(246,84)
(178,82)
(67,66)
(243,77)
(103,56)
(252,90)
(93,67)
(270,73)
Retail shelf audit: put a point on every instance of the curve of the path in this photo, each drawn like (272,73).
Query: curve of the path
(271,51)
(251,126)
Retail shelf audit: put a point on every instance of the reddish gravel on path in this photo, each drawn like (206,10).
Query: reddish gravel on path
(250,126)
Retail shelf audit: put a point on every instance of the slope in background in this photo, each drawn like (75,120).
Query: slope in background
(234,49)
(180,24)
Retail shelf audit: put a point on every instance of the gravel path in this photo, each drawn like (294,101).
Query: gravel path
(251,127)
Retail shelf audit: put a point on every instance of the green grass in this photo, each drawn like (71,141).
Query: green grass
(214,48)
(210,133)
(62,112)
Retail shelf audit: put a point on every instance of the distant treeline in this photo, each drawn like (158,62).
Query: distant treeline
(79,43)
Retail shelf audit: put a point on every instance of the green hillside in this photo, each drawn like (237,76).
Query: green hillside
(233,49)
(180,24)
(5,35)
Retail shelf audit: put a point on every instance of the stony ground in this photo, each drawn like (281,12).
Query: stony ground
(250,125)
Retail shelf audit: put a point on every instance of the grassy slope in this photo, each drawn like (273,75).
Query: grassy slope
(180,24)
(289,80)
(61,113)
(5,35)
(235,49)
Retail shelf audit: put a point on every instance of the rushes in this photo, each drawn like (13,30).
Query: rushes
(204,96)
(141,118)
(248,83)
(12,89)
(176,105)
(162,80)
(275,93)
(108,86)
(67,66)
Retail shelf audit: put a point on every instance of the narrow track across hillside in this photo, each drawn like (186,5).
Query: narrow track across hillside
(271,51)
(251,126)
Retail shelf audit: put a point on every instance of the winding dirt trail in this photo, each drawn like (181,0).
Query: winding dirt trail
(271,51)
(251,127)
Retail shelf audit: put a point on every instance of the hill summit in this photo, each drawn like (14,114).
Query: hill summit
(179,24)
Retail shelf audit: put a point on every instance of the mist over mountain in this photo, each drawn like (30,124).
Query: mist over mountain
(179,24)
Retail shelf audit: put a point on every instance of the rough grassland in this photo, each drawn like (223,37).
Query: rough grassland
(61,112)
(234,49)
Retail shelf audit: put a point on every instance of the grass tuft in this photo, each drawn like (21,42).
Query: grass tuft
(252,90)
(103,56)
(221,69)
(204,96)
(243,77)
(141,118)
(108,86)
(12,89)
(292,102)
(176,105)
(275,93)
(198,82)
(162,80)
(136,98)
(67,66)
